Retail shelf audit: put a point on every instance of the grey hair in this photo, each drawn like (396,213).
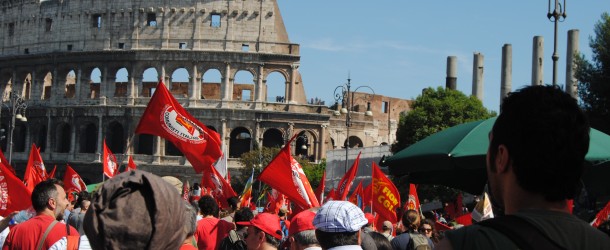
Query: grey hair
(306,238)
(190,219)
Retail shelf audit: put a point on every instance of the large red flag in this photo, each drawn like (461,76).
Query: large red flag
(130,164)
(385,195)
(356,197)
(73,182)
(165,117)
(35,171)
(346,182)
(220,188)
(111,168)
(413,200)
(4,162)
(14,196)
(285,174)
(602,216)
(320,189)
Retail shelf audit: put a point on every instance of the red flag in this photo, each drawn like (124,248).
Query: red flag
(602,216)
(346,182)
(220,188)
(385,195)
(331,195)
(320,189)
(4,162)
(185,190)
(465,219)
(356,197)
(52,174)
(285,174)
(165,117)
(14,196)
(130,164)
(73,182)
(413,200)
(109,162)
(367,196)
(441,227)
(35,171)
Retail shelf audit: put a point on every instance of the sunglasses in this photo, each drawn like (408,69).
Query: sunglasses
(427,230)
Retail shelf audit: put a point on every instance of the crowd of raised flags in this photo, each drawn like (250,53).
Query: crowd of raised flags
(290,187)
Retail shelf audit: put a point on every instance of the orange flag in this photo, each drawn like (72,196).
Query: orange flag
(165,117)
(73,182)
(130,165)
(346,182)
(285,175)
(385,195)
(35,171)
(111,168)
(320,189)
(15,196)
(219,187)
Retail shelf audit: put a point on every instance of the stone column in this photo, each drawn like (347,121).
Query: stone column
(322,142)
(194,85)
(78,82)
(259,84)
(537,61)
(36,87)
(137,86)
(157,150)
(451,80)
(111,82)
(506,80)
(293,76)
(223,135)
(477,76)
(571,81)
(73,128)
(226,88)
(100,135)
(54,86)
(258,135)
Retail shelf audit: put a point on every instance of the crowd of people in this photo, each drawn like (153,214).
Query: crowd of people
(537,147)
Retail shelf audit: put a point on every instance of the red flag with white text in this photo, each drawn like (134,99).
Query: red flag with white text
(320,189)
(73,182)
(385,195)
(413,200)
(35,171)
(14,195)
(220,189)
(111,167)
(602,216)
(346,182)
(285,175)
(165,117)
(185,190)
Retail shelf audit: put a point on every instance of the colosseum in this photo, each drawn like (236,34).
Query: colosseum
(82,71)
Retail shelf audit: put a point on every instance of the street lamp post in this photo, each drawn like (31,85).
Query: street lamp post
(345,95)
(17,106)
(558,15)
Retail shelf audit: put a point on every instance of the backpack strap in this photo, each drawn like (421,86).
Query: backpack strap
(46,233)
(233,236)
(522,233)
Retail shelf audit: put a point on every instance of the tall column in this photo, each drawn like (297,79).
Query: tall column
(36,87)
(258,135)
(194,85)
(111,82)
(322,142)
(225,88)
(137,86)
(506,80)
(451,80)
(223,134)
(79,85)
(259,84)
(293,76)
(100,136)
(157,149)
(477,75)
(537,61)
(571,81)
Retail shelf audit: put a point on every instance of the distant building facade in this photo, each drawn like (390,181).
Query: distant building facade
(82,67)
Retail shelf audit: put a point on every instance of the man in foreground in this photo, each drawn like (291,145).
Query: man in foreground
(338,225)
(264,232)
(534,163)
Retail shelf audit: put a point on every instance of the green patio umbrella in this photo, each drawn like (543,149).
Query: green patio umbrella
(455,157)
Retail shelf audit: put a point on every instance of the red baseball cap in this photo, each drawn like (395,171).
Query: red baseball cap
(370,218)
(269,223)
(303,221)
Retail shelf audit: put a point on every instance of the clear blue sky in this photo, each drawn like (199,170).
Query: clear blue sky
(401,47)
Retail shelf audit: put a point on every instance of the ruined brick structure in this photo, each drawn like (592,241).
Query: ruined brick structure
(81,66)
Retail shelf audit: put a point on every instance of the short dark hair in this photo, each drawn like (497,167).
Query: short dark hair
(268,238)
(43,192)
(547,137)
(243,214)
(233,202)
(208,206)
(381,242)
(328,240)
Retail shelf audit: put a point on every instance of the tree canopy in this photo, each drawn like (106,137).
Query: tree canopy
(435,110)
(594,77)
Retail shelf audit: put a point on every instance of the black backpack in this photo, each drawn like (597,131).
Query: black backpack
(233,242)
(418,242)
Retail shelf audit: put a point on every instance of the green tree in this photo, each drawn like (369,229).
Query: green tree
(435,110)
(594,77)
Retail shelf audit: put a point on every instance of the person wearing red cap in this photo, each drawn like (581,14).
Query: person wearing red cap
(370,223)
(302,233)
(264,232)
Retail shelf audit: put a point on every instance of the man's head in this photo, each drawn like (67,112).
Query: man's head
(338,223)
(208,206)
(190,219)
(264,231)
(411,220)
(241,215)
(49,197)
(233,202)
(302,232)
(542,136)
(387,227)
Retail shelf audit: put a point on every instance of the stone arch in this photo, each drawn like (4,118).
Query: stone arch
(95,83)
(171,149)
(40,137)
(180,83)
(306,145)
(210,84)
(272,138)
(243,85)
(240,142)
(145,144)
(121,81)
(115,137)
(70,84)
(88,138)
(27,86)
(354,142)
(47,84)
(19,134)
(150,79)
(62,138)
(275,86)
